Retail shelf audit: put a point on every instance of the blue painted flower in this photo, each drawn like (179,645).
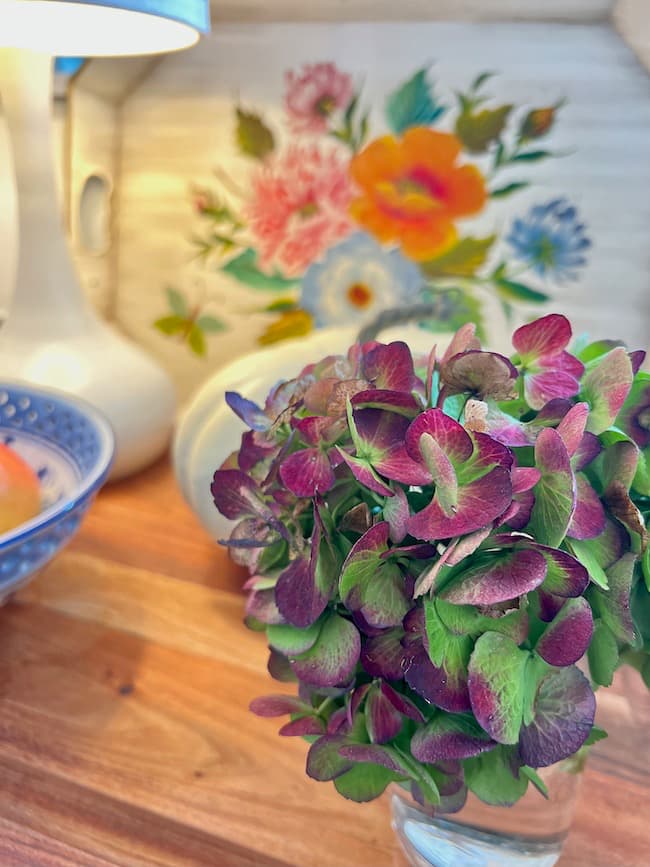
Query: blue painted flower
(551,240)
(356,280)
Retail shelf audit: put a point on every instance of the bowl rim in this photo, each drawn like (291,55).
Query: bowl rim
(88,485)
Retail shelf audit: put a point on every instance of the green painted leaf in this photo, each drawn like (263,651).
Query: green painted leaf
(196,340)
(491,777)
(210,324)
(413,104)
(554,493)
(171,324)
(509,189)
(605,388)
(602,655)
(479,130)
(254,138)
(365,782)
(530,156)
(177,302)
(245,269)
(512,290)
(463,260)
(496,686)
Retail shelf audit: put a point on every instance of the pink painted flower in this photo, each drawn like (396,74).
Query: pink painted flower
(549,370)
(299,207)
(314,95)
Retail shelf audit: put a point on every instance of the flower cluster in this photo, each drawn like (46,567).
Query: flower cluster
(434,544)
(347,222)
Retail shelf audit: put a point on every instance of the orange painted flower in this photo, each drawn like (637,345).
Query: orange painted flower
(413,190)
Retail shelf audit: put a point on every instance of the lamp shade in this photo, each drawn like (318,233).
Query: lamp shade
(102,27)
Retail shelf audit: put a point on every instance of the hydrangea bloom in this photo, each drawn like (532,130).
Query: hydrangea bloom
(356,279)
(299,206)
(430,557)
(551,240)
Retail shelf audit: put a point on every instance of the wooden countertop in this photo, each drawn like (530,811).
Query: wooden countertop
(125,738)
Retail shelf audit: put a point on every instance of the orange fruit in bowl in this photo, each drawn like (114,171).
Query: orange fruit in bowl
(20,495)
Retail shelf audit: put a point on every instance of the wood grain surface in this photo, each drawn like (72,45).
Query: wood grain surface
(125,738)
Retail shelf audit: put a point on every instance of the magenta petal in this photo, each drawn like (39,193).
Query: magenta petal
(540,388)
(637,357)
(390,367)
(394,401)
(524,478)
(545,336)
(463,340)
(565,362)
(497,578)
(489,452)
(445,689)
(588,519)
(375,539)
(363,473)
(567,637)
(449,434)
(479,503)
(312,428)
(549,605)
(307,473)
(572,427)
(398,466)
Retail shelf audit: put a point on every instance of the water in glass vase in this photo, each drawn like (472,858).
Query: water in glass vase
(529,834)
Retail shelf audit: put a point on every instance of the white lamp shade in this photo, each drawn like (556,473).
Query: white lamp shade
(102,27)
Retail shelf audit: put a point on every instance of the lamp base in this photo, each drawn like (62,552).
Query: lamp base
(108,371)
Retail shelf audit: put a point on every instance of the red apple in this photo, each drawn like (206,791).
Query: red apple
(20,496)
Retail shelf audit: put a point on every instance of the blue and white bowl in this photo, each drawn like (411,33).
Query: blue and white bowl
(70,446)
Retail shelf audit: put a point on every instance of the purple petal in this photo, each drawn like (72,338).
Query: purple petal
(365,475)
(260,604)
(588,519)
(254,449)
(442,473)
(236,495)
(383,720)
(307,473)
(497,578)
(373,754)
(524,478)
(572,427)
(298,598)
(566,639)
(312,429)
(306,725)
(555,492)
(549,605)
(449,737)
(401,703)
(358,696)
(443,688)
(381,398)
(467,545)
(279,668)
(517,516)
(380,429)
(564,715)
(620,464)
(383,655)
(565,576)
(390,367)
(587,451)
(489,452)
(249,412)
(545,336)
(333,659)
(449,434)
(278,705)
(613,606)
(479,503)
(496,671)
(637,357)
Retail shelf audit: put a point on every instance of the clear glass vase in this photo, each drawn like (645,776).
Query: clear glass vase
(529,834)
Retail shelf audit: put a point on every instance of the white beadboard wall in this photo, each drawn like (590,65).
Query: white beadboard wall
(179,123)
